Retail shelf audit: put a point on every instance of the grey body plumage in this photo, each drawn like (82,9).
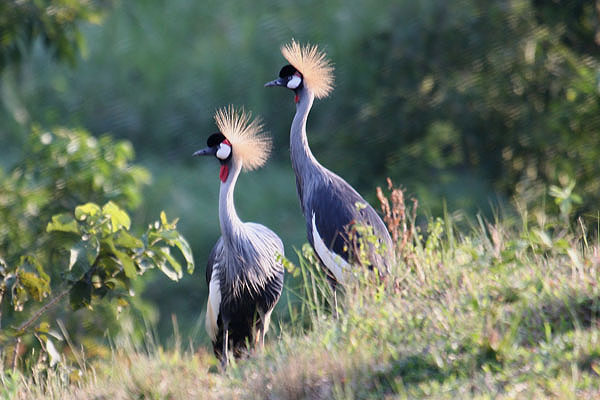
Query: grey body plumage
(330,205)
(244,270)
(329,198)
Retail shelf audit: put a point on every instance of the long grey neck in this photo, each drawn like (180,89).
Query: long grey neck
(231,225)
(303,161)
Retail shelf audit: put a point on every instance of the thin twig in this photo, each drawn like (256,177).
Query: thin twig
(42,310)
(16,354)
(1,297)
(31,320)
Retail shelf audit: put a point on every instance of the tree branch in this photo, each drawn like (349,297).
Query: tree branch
(42,310)
(31,320)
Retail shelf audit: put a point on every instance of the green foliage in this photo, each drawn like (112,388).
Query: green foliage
(101,257)
(52,246)
(27,280)
(488,312)
(106,257)
(565,198)
(56,23)
(454,99)
(475,87)
(59,170)
(311,294)
(10,384)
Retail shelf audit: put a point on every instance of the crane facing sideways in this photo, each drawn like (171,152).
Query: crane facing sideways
(244,272)
(330,205)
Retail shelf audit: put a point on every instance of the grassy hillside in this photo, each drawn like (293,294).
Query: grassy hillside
(506,309)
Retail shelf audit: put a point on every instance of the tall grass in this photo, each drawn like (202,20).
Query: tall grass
(505,309)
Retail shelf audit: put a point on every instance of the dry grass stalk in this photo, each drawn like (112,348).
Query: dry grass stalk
(401,227)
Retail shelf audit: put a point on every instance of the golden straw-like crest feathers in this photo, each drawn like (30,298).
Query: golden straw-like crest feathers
(248,141)
(316,69)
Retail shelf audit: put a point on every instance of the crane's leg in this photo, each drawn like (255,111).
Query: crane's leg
(333,284)
(335,304)
(263,327)
(259,334)
(225,355)
(259,338)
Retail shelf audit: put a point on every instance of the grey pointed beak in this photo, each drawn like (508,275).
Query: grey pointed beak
(276,82)
(208,151)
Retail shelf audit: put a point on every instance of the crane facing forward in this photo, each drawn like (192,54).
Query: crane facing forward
(244,272)
(330,205)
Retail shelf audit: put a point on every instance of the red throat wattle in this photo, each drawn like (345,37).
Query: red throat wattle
(224,173)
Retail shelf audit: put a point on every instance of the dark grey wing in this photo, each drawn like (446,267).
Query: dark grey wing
(332,214)
(335,209)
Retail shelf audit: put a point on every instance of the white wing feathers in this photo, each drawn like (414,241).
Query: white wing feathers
(334,262)
(214,304)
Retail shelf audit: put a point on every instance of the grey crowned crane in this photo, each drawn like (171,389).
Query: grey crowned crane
(244,272)
(330,205)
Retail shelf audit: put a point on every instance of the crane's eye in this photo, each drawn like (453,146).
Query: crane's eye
(294,81)
(224,151)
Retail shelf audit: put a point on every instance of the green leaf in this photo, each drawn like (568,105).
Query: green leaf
(118,218)
(114,283)
(80,295)
(145,264)
(164,222)
(127,262)
(186,250)
(82,257)
(33,279)
(32,264)
(125,239)
(63,223)
(37,287)
(43,327)
(168,235)
(109,265)
(173,275)
(88,209)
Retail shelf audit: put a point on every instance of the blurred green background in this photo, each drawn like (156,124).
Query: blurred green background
(467,102)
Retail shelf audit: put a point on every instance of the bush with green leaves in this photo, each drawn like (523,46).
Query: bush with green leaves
(104,257)
(55,22)
(52,246)
(59,170)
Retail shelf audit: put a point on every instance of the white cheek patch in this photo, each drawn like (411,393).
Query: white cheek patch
(294,82)
(224,151)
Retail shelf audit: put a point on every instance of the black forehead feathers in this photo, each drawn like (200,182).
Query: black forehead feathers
(288,70)
(215,139)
